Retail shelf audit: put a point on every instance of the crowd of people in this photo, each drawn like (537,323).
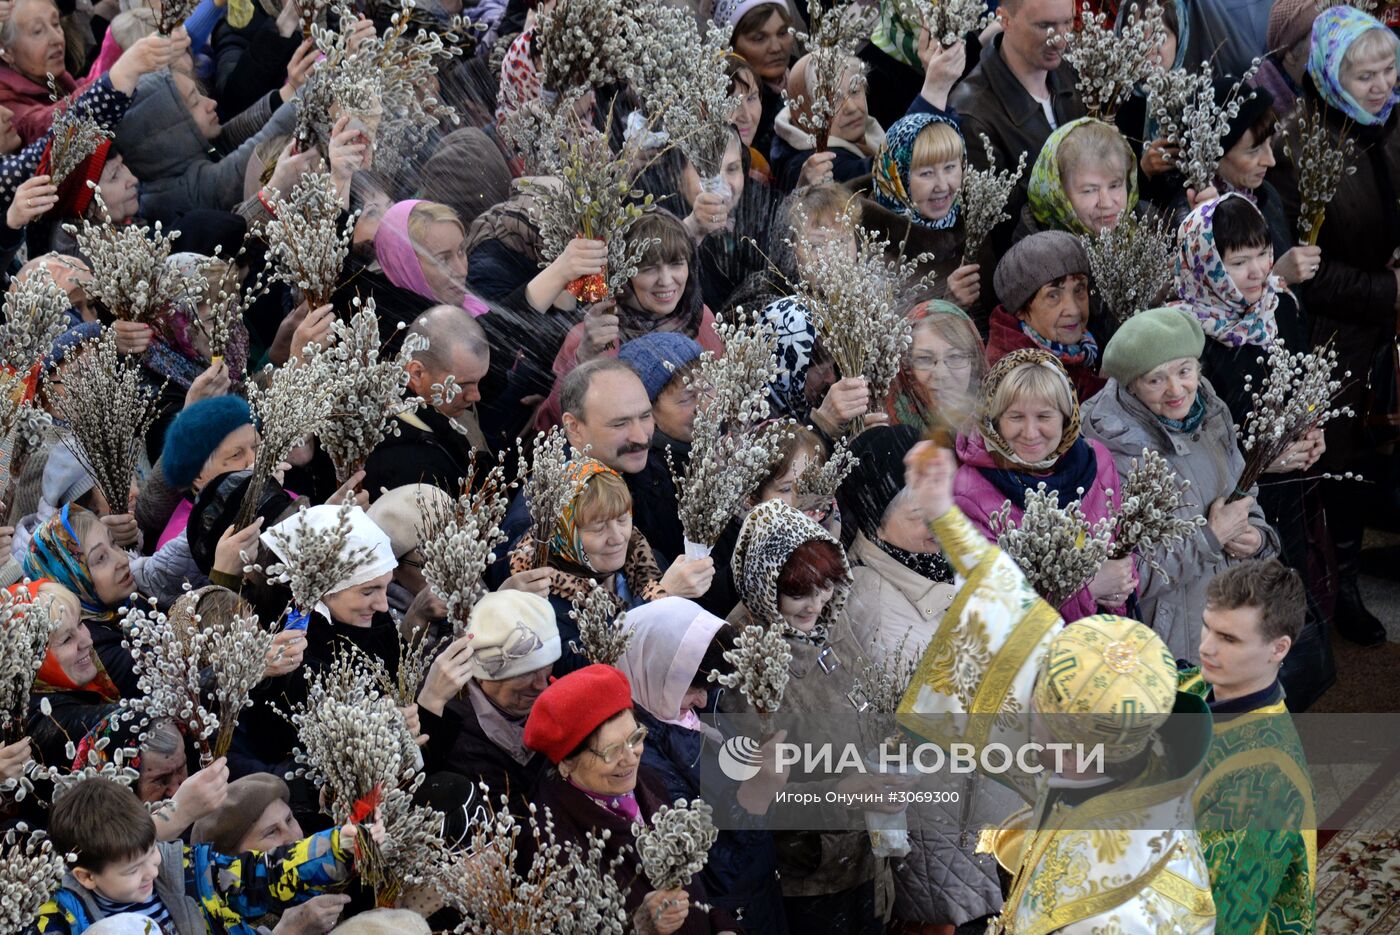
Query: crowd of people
(1017,379)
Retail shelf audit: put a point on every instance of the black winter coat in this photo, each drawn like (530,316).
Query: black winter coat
(1352,298)
(743,865)
(430,452)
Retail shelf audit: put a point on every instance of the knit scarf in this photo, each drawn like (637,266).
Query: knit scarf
(1083,354)
(1075,471)
(1208,293)
(931,565)
(1192,420)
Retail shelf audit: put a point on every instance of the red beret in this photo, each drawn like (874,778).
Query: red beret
(573,707)
(74,195)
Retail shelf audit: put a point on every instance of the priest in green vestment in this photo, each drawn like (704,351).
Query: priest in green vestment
(1254,807)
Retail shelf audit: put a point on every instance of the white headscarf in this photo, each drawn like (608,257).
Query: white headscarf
(363,534)
(667,647)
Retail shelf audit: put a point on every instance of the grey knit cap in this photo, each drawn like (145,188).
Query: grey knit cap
(1032,262)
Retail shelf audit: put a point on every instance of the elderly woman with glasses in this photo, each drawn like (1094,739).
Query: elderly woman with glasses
(585,725)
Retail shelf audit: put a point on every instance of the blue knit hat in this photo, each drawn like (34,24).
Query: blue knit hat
(657,356)
(196,432)
(69,342)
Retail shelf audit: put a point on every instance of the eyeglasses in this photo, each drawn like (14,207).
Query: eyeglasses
(522,642)
(954,360)
(633,743)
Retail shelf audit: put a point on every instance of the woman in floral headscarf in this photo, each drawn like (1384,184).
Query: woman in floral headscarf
(917,184)
(1354,297)
(1224,280)
(596,545)
(74,548)
(1083,179)
(1028,435)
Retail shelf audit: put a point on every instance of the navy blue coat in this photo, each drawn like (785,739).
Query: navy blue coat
(743,866)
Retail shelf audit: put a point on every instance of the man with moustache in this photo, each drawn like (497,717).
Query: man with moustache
(608,413)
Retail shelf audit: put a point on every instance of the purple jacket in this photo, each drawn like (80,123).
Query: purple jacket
(979,498)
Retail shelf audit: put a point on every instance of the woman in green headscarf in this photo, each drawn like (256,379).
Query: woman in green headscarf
(942,372)
(1083,181)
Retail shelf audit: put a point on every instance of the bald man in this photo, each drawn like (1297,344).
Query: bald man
(434,444)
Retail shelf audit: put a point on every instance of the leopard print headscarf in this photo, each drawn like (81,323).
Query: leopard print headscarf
(770,534)
(1002,369)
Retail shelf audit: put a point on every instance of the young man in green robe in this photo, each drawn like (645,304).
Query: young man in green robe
(1254,807)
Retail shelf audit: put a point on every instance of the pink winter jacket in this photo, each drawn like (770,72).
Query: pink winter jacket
(979,498)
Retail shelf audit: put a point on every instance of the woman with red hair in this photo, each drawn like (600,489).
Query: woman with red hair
(791,574)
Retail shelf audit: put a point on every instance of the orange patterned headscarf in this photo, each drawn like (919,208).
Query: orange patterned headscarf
(567,543)
(51,678)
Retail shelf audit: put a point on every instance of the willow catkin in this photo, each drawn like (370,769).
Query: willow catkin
(1132,262)
(24,640)
(1110,65)
(1183,104)
(837,29)
(307,243)
(317,559)
(983,197)
(109,407)
(367,387)
(603,632)
(947,21)
(1057,549)
(130,275)
(734,445)
(564,888)
(675,844)
(457,541)
(35,314)
(31,871)
(1148,521)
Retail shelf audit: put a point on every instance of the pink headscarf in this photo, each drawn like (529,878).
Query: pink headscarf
(393,247)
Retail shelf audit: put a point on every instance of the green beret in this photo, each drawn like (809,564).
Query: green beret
(1150,339)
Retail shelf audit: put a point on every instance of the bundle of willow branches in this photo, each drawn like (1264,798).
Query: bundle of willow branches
(1298,394)
(1055,546)
(109,408)
(1320,160)
(836,31)
(1132,262)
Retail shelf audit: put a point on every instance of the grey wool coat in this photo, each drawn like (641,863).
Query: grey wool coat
(1173,598)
